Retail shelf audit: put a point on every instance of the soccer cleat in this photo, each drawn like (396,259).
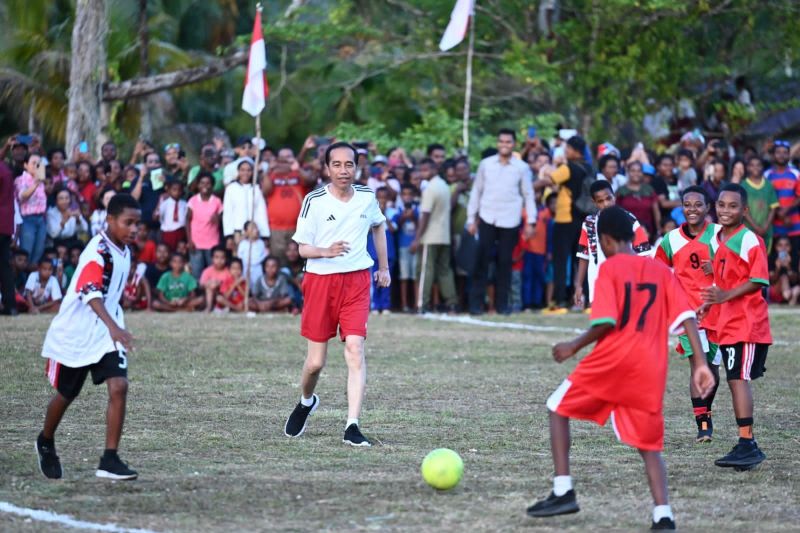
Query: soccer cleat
(665,523)
(552,311)
(555,505)
(354,437)
(298,420)
(49,464)
(744,456)
(112,467)
(704,429)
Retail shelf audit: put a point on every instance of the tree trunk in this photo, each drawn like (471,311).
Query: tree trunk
(86,73)
(145,123)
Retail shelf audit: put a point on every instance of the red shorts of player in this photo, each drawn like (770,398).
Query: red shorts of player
(172,238)
(634,427)
(334,301)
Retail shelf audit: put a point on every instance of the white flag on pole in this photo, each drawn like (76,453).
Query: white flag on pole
(457,28)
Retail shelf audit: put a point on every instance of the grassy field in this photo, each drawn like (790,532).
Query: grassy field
(209,396)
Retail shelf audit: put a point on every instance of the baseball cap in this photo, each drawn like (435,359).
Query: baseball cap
(380,159)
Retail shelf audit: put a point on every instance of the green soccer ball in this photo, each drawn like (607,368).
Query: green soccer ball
(442,469)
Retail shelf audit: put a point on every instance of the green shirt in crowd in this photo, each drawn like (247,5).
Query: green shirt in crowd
(761,198)
(174,287)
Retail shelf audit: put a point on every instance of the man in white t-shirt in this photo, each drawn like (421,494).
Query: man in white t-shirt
(332,233)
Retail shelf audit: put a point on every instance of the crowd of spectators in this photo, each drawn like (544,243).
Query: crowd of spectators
(495,235)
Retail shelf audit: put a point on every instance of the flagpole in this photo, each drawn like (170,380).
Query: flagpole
(256,190)
(468,90)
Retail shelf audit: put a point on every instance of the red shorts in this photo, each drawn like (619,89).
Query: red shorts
(634,427)
(172,238)
(335,300)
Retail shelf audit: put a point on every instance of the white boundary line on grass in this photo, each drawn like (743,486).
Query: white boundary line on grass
(65,520)
(516,325)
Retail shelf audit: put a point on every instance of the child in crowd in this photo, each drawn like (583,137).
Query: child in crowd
(382,296)
(20,265)
(216,279)
(406,223)
(97,222)
(88,335)
(232,297)
(515,297)
(763,201)
(176,289)
(252,251)
(784,285)
(202,224)
(549,278)
(534,258)
(687,175)
(42,291)
(172,215)
(145,245)
(271,291)
(137,295)
(158,267)
(73,259)
(293,272)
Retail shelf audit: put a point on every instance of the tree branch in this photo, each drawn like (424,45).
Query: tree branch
(137,87)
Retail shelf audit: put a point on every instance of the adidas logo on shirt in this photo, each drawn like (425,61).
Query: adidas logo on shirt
(363,215)
(330,218)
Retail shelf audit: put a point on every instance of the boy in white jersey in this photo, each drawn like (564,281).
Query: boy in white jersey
(88,335)
(332,233)
(590,254)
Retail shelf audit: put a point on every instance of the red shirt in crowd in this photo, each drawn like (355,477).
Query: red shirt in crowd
(285,199)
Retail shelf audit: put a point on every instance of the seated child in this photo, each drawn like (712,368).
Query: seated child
(136,295)
(252,249)
(176,289)
(783,282)
(216,278)
(42,291)
(271,291)
(231,296)
(293,272)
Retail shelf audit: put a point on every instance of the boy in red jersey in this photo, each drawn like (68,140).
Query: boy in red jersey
(740,272)
(637,302)
(688,250)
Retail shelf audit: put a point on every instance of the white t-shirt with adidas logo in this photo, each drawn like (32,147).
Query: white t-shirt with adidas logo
(324,220)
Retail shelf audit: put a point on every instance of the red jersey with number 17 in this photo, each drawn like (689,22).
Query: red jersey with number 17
(741,258)
(644,302)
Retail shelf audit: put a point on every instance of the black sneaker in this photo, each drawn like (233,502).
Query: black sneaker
(705,428)
(744,456)
(49,464)
(354,437)
(298,420)
(555,505)
(665,523)
(112,467)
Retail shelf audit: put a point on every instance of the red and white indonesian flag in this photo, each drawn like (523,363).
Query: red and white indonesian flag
(256,89)
(459,20)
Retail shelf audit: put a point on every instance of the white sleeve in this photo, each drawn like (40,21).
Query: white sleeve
(306,224)
(30,285)
(228,208)
(375,216)
(53,222)
(55,289)
(260,216)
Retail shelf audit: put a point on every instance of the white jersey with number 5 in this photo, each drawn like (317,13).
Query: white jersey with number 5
(77,337)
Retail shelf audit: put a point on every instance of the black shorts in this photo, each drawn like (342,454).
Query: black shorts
(69,381)
(744,360)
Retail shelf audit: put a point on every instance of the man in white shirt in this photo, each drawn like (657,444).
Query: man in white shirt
(332,235)
(502,187)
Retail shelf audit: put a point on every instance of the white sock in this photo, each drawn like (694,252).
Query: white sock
(562,485)
(660,511)
(351,421)
(307,402)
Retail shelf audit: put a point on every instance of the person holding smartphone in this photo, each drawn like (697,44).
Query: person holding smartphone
(32,199)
